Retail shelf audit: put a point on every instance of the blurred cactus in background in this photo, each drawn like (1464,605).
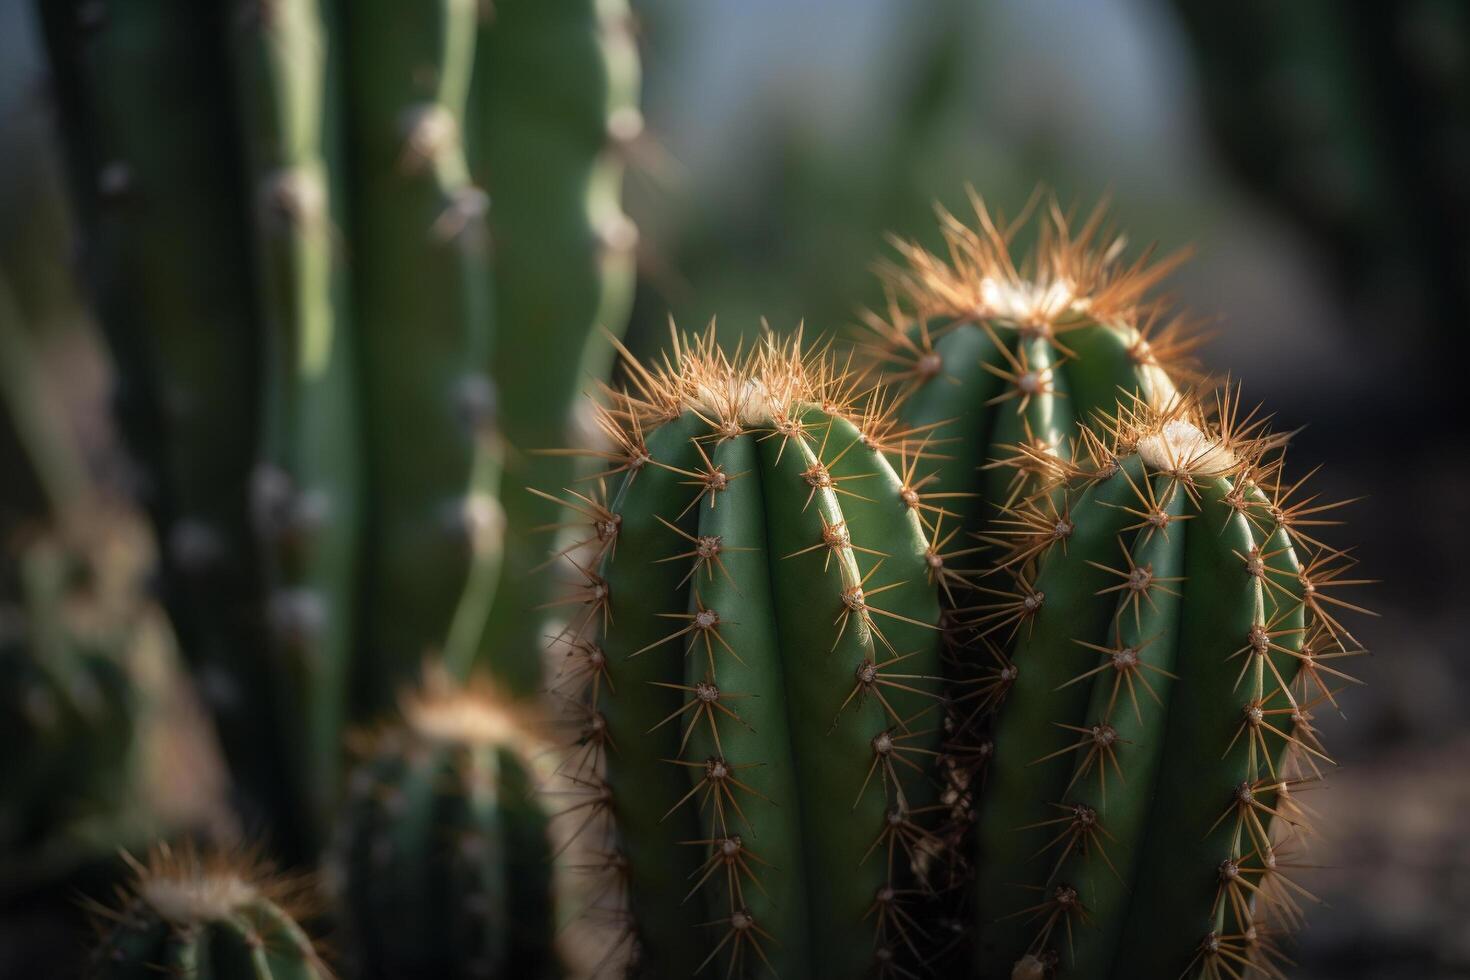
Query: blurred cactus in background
(554,115)
(300,291)
(443,858)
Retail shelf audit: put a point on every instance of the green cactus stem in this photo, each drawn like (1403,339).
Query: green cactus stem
(421,273)
(555,109)
(206,917)
(305,489)
(444,856)
(149,123)
(995,351)
(1171,628)
(754,646)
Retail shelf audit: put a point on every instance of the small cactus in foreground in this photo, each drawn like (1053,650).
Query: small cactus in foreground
(444,862)
(205,917)
(985,351)
(753,652)
(1146,702)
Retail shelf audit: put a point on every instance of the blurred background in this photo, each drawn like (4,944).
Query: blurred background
(1316,155)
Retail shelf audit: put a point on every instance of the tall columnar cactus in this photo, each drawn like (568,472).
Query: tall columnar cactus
(444,862)
(305,489)
(1174,624)
(753,644)
(148,119)
(554,111)
(995,351)
(421,274)
(206,917)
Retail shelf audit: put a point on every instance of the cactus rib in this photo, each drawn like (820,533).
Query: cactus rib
(422,291)
(553,114)
(305,488)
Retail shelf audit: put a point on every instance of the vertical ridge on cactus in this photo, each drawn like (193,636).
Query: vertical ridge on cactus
(755,649)
(421,275)
(1137,812)
(207,915)
(554,113)
(305,488)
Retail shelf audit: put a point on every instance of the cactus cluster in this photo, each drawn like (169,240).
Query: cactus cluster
(999,636)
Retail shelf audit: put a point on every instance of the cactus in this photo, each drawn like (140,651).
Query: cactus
(421,276)
(555,110)
(167,254)
(69,706)
(205,916)
(753,649)
(990,351)
(305,489)
(443,856)
(1173,625)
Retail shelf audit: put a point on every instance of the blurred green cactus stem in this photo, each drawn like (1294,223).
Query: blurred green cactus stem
(554,117)
(443,857)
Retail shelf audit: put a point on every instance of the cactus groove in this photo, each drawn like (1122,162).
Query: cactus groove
(754,645)
(1169,633)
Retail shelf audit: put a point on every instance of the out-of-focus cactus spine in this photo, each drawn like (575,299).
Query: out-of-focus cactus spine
(421,273)
(305,491)
(993,351)
(166,250)
(444,862)
(754,647)
(555,108)
(1164,647)
(207,917)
